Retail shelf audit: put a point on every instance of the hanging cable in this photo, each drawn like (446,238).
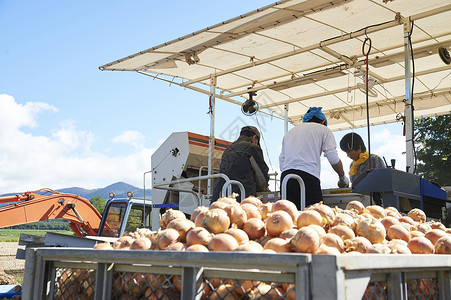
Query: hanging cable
(367,42)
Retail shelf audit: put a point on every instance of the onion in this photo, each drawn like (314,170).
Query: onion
(416,233)
(288,234)
(379,249)
(197,248)
(216,221)
(320,230)
(438,225)
(371,229)
(239,234)
(103,246)
(344,219)
(224,292)
(279,245)
(123,242)
(200,218)
(264,239)
(326,212)
(277,222)
(255,228)
(417,215)
(424,227)
(269,251)
(170,215)
(333,240)
(177,246)
(196,211)
(198,236)
(399,247)
(376,211)
(248,247)
(251,210)
(434,234)
(355,205)
(236,214)
(343,231)
(392,212)
(223,242)
(287,206)
(228,200)
(265,209)
(306,240)
(182,226)
(142,243)
(309,217)
(166,237)
(389,222)
(359,244)
(421,245)
(443,245)
(256,245)
(398,232)
(252,200)
(218,204)
(406,219)
(323,249)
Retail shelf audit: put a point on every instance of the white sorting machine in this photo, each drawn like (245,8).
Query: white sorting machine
(180,172)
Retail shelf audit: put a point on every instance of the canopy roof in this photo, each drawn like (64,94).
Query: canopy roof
(309,53)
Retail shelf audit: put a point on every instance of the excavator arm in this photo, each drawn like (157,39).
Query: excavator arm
(31,207)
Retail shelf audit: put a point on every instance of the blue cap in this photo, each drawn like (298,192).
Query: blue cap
(314,112)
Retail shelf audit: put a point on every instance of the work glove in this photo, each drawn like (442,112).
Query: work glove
(343,182)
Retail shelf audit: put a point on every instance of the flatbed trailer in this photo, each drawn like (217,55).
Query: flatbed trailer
(76,273)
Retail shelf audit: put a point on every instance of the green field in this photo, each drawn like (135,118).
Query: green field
(12,235)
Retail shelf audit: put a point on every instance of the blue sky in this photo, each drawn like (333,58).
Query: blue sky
(65,123)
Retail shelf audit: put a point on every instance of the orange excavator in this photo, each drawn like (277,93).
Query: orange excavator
(45,204)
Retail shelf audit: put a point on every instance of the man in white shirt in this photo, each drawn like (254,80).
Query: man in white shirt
(301,151)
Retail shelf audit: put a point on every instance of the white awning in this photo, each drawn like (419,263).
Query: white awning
(309,53)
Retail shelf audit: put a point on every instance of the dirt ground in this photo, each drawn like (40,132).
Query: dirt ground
(10,267)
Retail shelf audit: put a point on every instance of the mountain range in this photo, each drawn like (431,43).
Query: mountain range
(120,189)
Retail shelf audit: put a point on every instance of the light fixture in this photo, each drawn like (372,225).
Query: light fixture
(308,78)
(250,107)
(111,195)
(444,55)
(130,194)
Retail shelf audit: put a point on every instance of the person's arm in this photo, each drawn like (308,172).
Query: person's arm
(343,181)
(258,156)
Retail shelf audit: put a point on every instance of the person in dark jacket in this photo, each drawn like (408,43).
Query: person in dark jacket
(236,163)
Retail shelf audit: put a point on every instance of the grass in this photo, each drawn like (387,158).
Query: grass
(12,235)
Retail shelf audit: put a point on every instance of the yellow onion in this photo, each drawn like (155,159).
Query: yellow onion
(288,234)
(408,220)
(342,231)
(356,205)
(277,222)
(326,212)
(424,227)
(198,236)
(417,215)
(379,249)
(399,247)
(251,210)
(359,244)
(333,240)
(416,233)
(265,210)
(249,247)
(103,246)
(166,237)
(142,243)
(398,231)
(323,249)
(170,215)
(279,245)
(443,245)
(376,211)
(437,225)
(253,200)
(371,229)
(255,228)
(223,242)
(197,248)
(344,219)
(239,234)
(306,240)
(320,230)
(236,214)
(434,234)
(196,211)
(216,220)
(287,206)
(389,221)
(177,246)
(218,204)
(420,245)
(309,217)
(182,226)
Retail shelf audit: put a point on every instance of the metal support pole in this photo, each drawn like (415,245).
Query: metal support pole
(211,144)
(408,109)
(285,118)
(301,187)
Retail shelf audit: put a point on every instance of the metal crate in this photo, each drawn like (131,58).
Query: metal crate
(74,273)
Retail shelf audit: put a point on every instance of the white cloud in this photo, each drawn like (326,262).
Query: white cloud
(129,137)
(64,159)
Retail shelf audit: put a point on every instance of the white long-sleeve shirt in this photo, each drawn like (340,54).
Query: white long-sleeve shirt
(303,145)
